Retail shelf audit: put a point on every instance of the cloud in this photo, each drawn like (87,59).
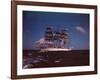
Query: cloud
(81,29)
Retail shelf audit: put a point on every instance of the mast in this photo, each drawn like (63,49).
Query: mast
(57,38)
(49,36)
(64,37)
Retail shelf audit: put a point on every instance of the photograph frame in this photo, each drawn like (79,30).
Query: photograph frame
(14,38)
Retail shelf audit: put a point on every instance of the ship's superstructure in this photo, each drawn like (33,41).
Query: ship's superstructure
(54,40)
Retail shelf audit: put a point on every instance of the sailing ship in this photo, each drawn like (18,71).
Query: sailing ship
(54,40)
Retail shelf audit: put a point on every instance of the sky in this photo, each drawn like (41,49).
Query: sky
(35,23)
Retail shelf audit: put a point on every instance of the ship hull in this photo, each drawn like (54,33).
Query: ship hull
(55,49)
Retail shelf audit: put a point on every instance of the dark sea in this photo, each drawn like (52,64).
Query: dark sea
(37,59)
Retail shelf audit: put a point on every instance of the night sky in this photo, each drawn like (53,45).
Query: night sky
(35,23)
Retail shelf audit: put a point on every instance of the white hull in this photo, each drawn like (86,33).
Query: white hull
(55,49)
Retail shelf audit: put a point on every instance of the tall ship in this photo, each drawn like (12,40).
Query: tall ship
(54,40)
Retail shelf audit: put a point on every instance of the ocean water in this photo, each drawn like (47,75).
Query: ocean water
(37,59)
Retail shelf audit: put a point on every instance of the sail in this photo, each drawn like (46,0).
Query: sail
(64,37)
(49,34)
(54,39)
